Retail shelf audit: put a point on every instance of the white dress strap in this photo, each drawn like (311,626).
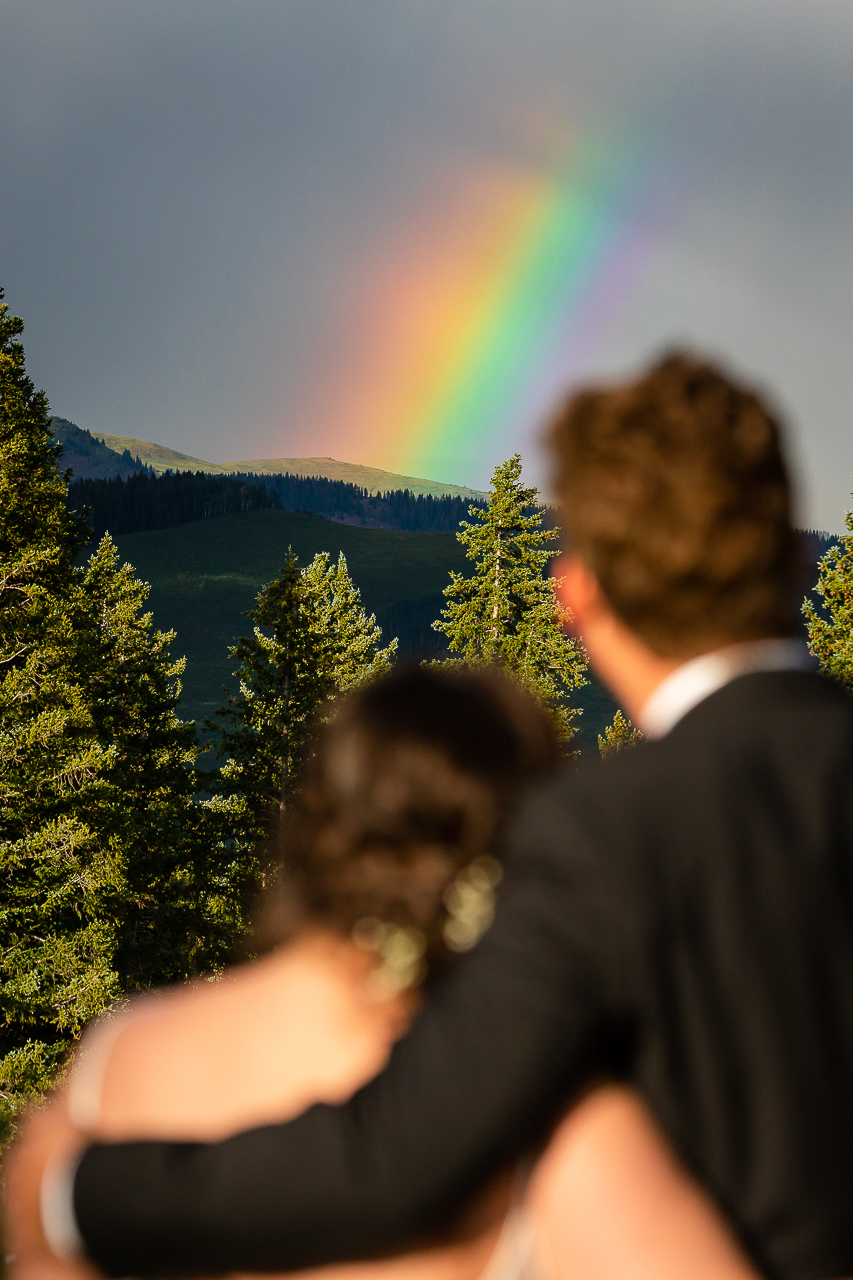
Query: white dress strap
(86,1081)
(512,1256)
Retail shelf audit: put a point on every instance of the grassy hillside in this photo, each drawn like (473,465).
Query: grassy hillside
(158,456)
(205,575)
(370,478)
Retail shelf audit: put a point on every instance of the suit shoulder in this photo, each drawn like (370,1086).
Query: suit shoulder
(582,796)
(760,695)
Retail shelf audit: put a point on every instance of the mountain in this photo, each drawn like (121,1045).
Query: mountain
(88,457)
(158,457)
(373,479)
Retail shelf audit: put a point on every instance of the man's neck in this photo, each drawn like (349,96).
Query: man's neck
(629,668)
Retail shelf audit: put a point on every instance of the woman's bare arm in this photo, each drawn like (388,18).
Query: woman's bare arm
(609,1200)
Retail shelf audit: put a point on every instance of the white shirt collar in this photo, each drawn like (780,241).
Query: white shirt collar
(696,680)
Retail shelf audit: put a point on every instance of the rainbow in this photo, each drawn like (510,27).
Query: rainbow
(468,321)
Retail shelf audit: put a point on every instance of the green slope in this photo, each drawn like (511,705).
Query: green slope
(158,456)
(204,576)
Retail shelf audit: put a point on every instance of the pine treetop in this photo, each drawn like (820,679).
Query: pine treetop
(618,736)
(354,636)
(507,612)
(36,526)
(511,550)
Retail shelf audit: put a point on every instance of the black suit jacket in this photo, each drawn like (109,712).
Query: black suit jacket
(684,910)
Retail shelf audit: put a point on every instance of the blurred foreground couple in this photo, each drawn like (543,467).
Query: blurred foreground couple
(645,1066)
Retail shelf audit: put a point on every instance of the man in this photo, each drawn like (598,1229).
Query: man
(681,915)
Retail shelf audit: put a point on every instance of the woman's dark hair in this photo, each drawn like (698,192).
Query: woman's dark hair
(411,782)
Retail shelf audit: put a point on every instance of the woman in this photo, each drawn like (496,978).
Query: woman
(389,866)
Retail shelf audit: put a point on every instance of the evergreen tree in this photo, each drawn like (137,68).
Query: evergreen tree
(312,640)
(147,501)
(39,537)
(507,612)
(354,638)
(178,893)
(618,735)
(56,942)
(830,622)
(107,882)
(284,670)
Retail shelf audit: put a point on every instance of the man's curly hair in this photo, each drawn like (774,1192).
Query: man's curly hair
(675,492)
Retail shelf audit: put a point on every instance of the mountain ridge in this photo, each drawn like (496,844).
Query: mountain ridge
(87,455)
(374,479)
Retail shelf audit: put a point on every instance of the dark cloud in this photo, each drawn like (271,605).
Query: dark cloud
(184,185)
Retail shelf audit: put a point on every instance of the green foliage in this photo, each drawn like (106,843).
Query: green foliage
(830,627)
(39,536)
(106,879)
(178,898)
(55,944)
(618,735)
(507,613)
(312,639)
(353,636)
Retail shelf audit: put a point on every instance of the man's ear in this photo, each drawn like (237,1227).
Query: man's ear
(577,587)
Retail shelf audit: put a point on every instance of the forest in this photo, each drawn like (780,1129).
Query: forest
(143,501)
(135,502)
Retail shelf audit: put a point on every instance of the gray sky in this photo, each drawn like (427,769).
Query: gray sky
(189,187)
